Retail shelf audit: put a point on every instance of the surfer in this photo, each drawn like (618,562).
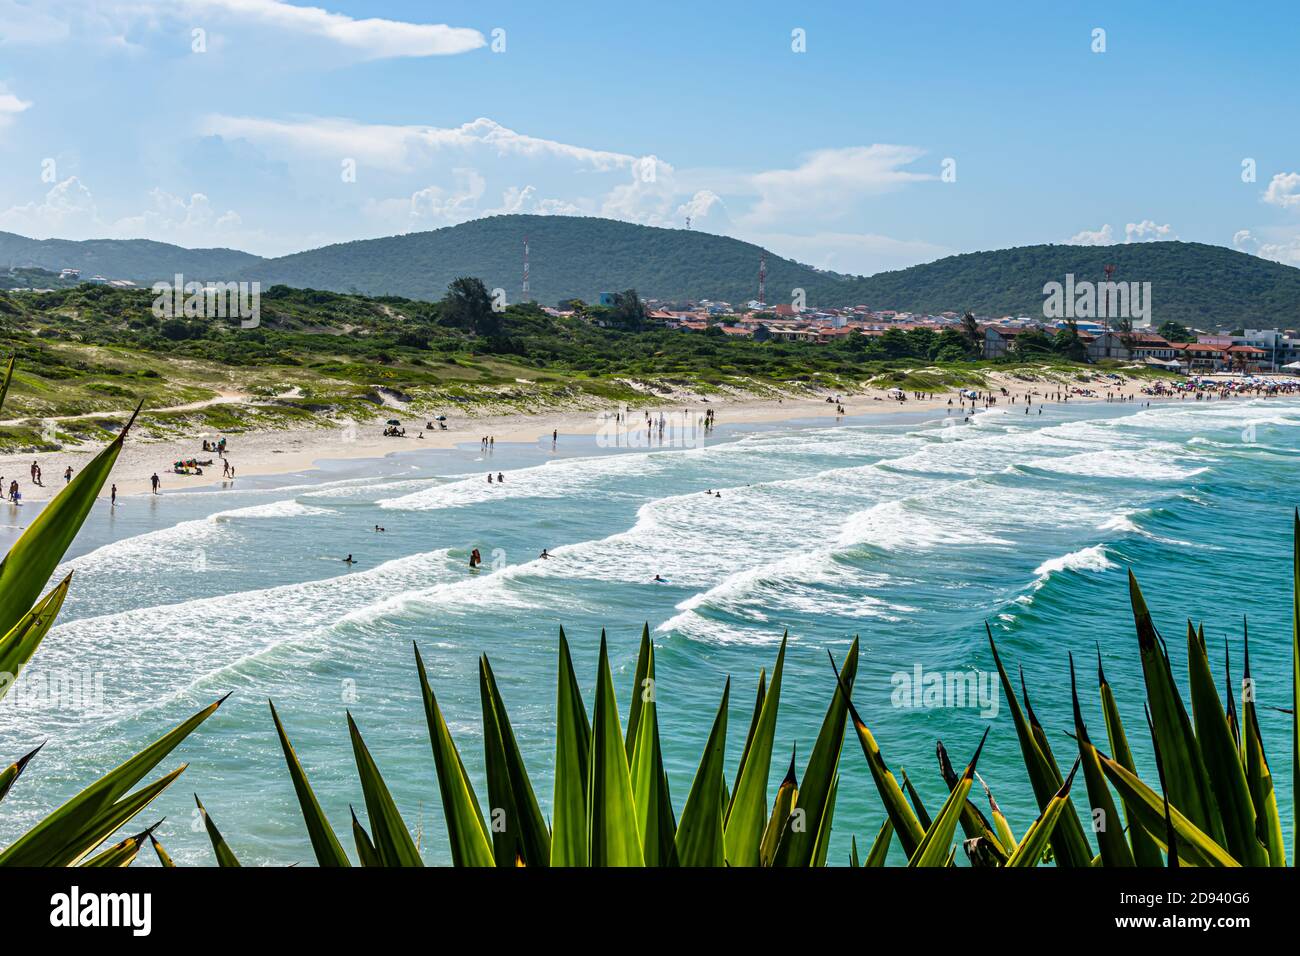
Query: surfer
(660,580)
(349,560)
(545,554)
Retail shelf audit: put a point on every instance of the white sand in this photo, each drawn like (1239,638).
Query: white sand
(287,451)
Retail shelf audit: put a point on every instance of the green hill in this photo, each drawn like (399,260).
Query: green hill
(568,257)
(141,260)
(1192,283)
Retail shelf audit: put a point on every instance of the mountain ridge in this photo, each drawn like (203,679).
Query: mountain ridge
(580,257)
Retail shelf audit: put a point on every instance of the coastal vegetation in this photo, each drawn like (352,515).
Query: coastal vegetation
(1210,801)
(318,357)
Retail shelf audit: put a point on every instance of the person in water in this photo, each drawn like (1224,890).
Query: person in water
(348,560)
(377,528)
(112,496)
(489,477)
(660,580)
(475,559)
(545,554)
(500,478)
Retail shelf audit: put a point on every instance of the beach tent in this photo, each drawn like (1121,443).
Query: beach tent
(1292,365)
(894,391)
(394,421)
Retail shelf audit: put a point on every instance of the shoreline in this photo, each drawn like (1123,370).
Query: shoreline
(288,451)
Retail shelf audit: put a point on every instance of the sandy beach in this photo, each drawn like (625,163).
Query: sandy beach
(293,450)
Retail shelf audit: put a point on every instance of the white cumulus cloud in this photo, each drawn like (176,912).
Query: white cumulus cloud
(1104,236)
(1283,190)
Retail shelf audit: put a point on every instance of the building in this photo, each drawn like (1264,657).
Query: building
(998,340)
(1108,345)
(1148,345)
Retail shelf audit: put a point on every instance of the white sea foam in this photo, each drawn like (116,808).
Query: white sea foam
(1085,559)
(177,646)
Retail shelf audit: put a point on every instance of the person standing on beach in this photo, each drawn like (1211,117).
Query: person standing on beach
(67,475)
(112,496)
(154,482)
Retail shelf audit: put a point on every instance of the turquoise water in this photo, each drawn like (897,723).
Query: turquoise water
(906,530)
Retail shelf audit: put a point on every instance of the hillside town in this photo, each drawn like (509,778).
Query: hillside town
(1248,350)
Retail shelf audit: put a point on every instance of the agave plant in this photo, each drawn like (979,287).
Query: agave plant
(72,833)
(611,803)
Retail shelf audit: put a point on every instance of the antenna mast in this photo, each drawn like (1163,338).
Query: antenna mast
(526,296)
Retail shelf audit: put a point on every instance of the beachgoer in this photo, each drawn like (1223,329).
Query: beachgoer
(349,560)
(660,580)
(500,478)
(112,494)
(154,481)
(545,554)
(489,477)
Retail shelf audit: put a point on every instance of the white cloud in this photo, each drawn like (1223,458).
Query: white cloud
(67,211)
(108,21)
(402,148)
(1283,190)
(1104,236)
(10,106)
(1286,251)
(1147,231)
(828,181)
(176,219)
(851,253)
(435,206)
(526,200)
(373,38)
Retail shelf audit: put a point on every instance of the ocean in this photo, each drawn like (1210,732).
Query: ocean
(909,530)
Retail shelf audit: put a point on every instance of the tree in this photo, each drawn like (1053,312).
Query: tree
(1175,332)
(1067,343)
(970,332)
(630,312)
(1031,342)
(468,305)
(896,344)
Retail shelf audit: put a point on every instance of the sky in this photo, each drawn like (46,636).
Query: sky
(856,137)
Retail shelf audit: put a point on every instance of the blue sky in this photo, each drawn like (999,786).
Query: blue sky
(118,120)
